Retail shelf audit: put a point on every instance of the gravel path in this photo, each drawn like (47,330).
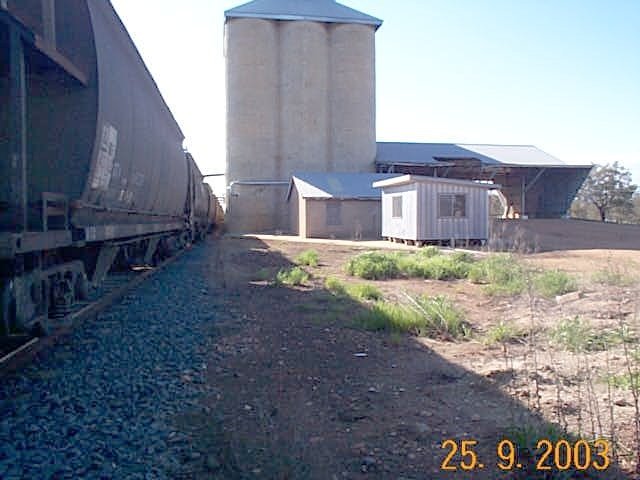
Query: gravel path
(101,405)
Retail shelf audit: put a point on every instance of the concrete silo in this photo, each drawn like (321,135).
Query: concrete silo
(300,97)
(252,112)
(353,109)
(304,90)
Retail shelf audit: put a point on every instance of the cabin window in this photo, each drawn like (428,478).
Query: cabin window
(334,213)
(452,206)
(396,207)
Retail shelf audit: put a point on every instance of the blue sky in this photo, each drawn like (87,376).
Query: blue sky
(563,75)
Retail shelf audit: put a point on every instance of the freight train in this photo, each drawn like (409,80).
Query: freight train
(93,173)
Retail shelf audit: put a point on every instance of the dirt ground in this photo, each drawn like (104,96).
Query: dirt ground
(301,392)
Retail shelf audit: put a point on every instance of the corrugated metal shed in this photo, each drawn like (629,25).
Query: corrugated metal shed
(439,153)
(339,186)
(411,208)
(313,10)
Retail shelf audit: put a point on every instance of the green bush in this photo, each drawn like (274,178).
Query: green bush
(503,273)
(428,252)
(628,381)
(390,317)
(573,334)
(335,286)
(373,266)
(443,317)
(527,435)
(410,265)
(434,317)
(503,332)
(363,291)
(554,282)
(445,268)
(357,291)
(427,263)
(292,276)
(462,257)
(614,277)
(576,334)
(308,258)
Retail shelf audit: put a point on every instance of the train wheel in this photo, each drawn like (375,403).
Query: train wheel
(62,297)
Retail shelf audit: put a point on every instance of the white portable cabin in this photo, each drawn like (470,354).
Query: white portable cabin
(424,209)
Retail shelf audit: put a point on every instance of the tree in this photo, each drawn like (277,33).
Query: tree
(583,210)
(609,189)
(636,207)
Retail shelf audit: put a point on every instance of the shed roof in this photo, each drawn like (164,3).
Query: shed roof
(340,186)
(406,179)
(488,155)
(314,10)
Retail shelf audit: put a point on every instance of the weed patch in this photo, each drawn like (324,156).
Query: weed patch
(308,258)
(439,267)
(572,334)
(363,291)
(428,316)
(293,276)
(335,286)
(628,381)
(527,438)
(577,335)
(390,317)
(373,266)
(426,263)
(503,332)
(614,277)
(443,317)
(503,274)
(358,291)
(554,282)
(428,252)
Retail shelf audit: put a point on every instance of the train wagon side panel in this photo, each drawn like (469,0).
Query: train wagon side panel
(138,164)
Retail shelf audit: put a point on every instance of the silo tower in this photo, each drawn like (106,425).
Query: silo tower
(300,97)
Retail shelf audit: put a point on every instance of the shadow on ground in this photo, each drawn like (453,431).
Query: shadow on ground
(300,392)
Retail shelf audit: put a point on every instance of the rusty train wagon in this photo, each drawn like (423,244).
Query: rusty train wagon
(92,166)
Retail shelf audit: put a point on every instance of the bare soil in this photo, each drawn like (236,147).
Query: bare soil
(300,391)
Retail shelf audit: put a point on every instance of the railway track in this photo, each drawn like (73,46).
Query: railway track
(17,351)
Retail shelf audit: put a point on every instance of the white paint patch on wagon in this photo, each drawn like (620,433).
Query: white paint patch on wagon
(106,156)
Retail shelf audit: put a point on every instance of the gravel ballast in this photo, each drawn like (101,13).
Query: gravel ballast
(102,403)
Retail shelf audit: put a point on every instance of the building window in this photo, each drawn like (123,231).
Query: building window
(396,207)
(452,206)
(334,213)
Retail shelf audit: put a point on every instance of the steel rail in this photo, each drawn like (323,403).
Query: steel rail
(24,354)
